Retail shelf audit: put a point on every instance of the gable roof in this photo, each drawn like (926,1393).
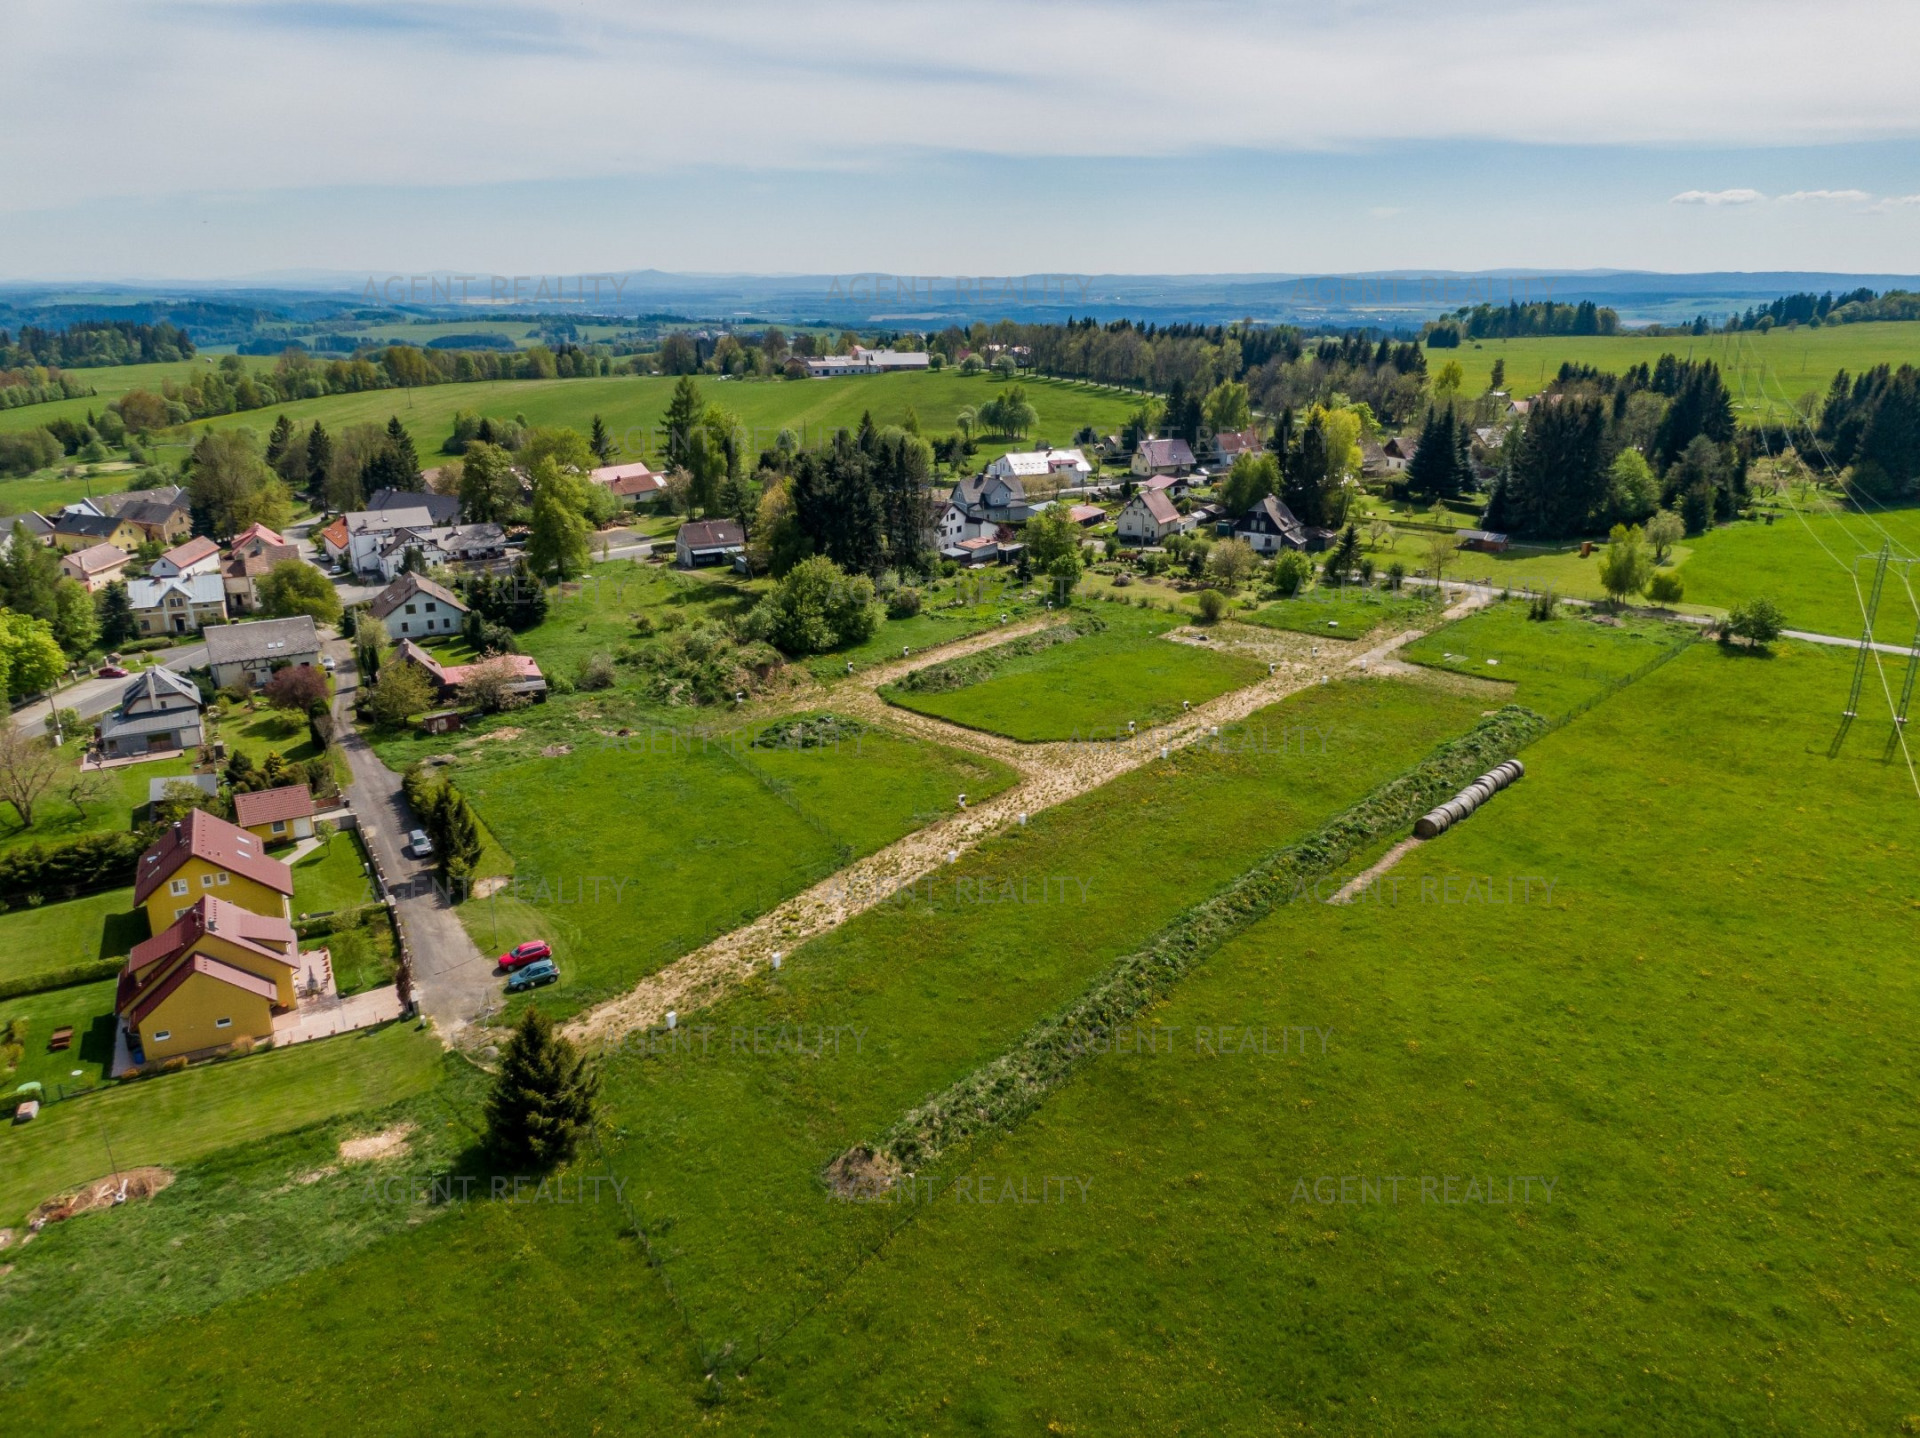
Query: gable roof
(265,806)
(260,561)
(101,526)
(440,508)
(38,525)
(96,557)
(198,588)
(202,836)
(167,499)
(1237,441)
(191,551)
(379,521)
(404,588)
(335,534)
(160,685)
(1167,451)
(1159,506)
(260,532)
(1276,517)
(257,933)
(201,964)
(711,534)
(263,639)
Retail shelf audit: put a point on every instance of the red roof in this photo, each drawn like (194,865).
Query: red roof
(200,964)
(1085,513)
(1159,506)
(523,668)
(335,534)
(202,836)
(263,806)
(262,934)
(258,531)
(191,552)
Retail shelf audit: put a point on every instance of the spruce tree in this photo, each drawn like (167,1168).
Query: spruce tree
(405,461)
(542,1101)
(602,441)
(279,441)
(319,459)
(117,623)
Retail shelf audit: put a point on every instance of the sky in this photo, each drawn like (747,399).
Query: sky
(226,139)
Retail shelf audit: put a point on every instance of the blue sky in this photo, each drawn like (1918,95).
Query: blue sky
(226,138)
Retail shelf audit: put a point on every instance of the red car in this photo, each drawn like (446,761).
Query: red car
(526,953)
(112,671)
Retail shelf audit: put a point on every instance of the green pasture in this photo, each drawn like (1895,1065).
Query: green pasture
(1345,613)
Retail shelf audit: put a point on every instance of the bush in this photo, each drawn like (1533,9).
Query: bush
(1758,622)
(816,607)
(1666,588)
(595,672)
(1291,569)
(98,861)
(1540,606)
(1396,575)
(1213,606)
(903,603)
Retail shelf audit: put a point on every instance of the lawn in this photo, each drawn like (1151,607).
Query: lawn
(1346,613)
(954,609)
(178,1117)
(600,613)
(1094,683)
(1553,664)
(332,877)
(1717,1080)
(720,1156)
(43,940)
(88,1010)
(57,820)
(628,852)
(365,952)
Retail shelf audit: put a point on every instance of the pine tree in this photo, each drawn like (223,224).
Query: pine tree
(117,624)
(405,460)
(279,441)
(542,1102)
(684,412)
(601,442)
(319,459)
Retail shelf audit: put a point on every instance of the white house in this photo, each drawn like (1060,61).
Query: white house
(179,605)
(1398,453)
(1059,466)
(1270,526)
(865,361)
(238,653)
(198,555)
(414,607)
(1148,518)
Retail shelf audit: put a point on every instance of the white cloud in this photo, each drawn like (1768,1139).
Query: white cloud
(1717,197)
(1894,202)
(1847,196)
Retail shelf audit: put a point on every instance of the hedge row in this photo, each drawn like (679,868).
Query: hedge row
(1006,1088)
(37,874)
(90,972)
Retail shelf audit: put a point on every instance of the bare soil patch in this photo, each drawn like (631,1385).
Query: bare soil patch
(108,1192)
(372,1147)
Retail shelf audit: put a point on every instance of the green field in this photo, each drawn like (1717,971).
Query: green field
(1553,665)
(1765,372)
(1094,683)
(85,1008)
(628,852)
(1673,1038)
(50,937)
(332,877)
(1349,613)
(58,820)
(177,1117)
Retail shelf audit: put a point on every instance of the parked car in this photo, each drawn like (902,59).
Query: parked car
(112,671)
(327,663)
(526,953)
(419,845)
(540,971)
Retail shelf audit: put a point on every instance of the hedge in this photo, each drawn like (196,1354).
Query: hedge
(1005,1089)
(86,866)
(90,972)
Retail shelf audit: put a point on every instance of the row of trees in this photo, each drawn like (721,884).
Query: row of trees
(95,342)
(1872,422)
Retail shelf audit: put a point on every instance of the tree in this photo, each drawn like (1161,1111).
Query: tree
(1212,604)
(1665,588)
(395,465)
(1050,534)
(1345,557)
(1442,549)
(601,441)
(231,486)
(560,542)
(1309,482)
(279,442)
(117,622)
(1555,481)
(1227,407)
(777,543)
(542,1102)
(1290,571)
(296,688)
(1447,383)
(816,607)
(29,575)
(1758,621)
(1633,492)
(28,768)
(293,587)
(319,459)
(488,485)
(1497,379)
(1252,478)
(1231,562)
(684,412)
(1664,530)
(402,690)
(88,786)
(490,684)
(30,659)
(1625,564)
(1063,575)
(76,623)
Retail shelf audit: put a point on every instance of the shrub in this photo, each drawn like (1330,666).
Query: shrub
(816,607)
(1396,575)
(1213,606)
(595,672)
(1540,606)
(1291,569)
(1758,622)
(1666,588)
(903,603)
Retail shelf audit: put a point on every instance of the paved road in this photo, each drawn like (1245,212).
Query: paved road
(93,697)
(453,981)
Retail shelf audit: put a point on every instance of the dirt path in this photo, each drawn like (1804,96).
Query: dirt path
(1051,774)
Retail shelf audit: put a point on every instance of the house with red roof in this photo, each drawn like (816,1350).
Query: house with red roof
(219,972)
(279,816)
(203,856)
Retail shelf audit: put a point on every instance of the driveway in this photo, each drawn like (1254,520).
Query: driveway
(453,981)
(94,697)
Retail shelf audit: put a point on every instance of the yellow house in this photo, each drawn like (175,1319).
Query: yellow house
(83,531)
(218,973)
(279,816)
(206,857)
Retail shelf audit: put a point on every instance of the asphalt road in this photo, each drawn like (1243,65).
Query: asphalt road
(93,697)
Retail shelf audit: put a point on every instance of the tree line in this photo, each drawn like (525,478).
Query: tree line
(87,343)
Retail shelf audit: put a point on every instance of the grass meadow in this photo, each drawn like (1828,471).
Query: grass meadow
(629,852)
(47,937)
(1096,682)
(1345,613)
(719,1153)
(1674,1036)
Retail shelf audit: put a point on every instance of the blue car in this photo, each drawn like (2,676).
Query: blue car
(545,971)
